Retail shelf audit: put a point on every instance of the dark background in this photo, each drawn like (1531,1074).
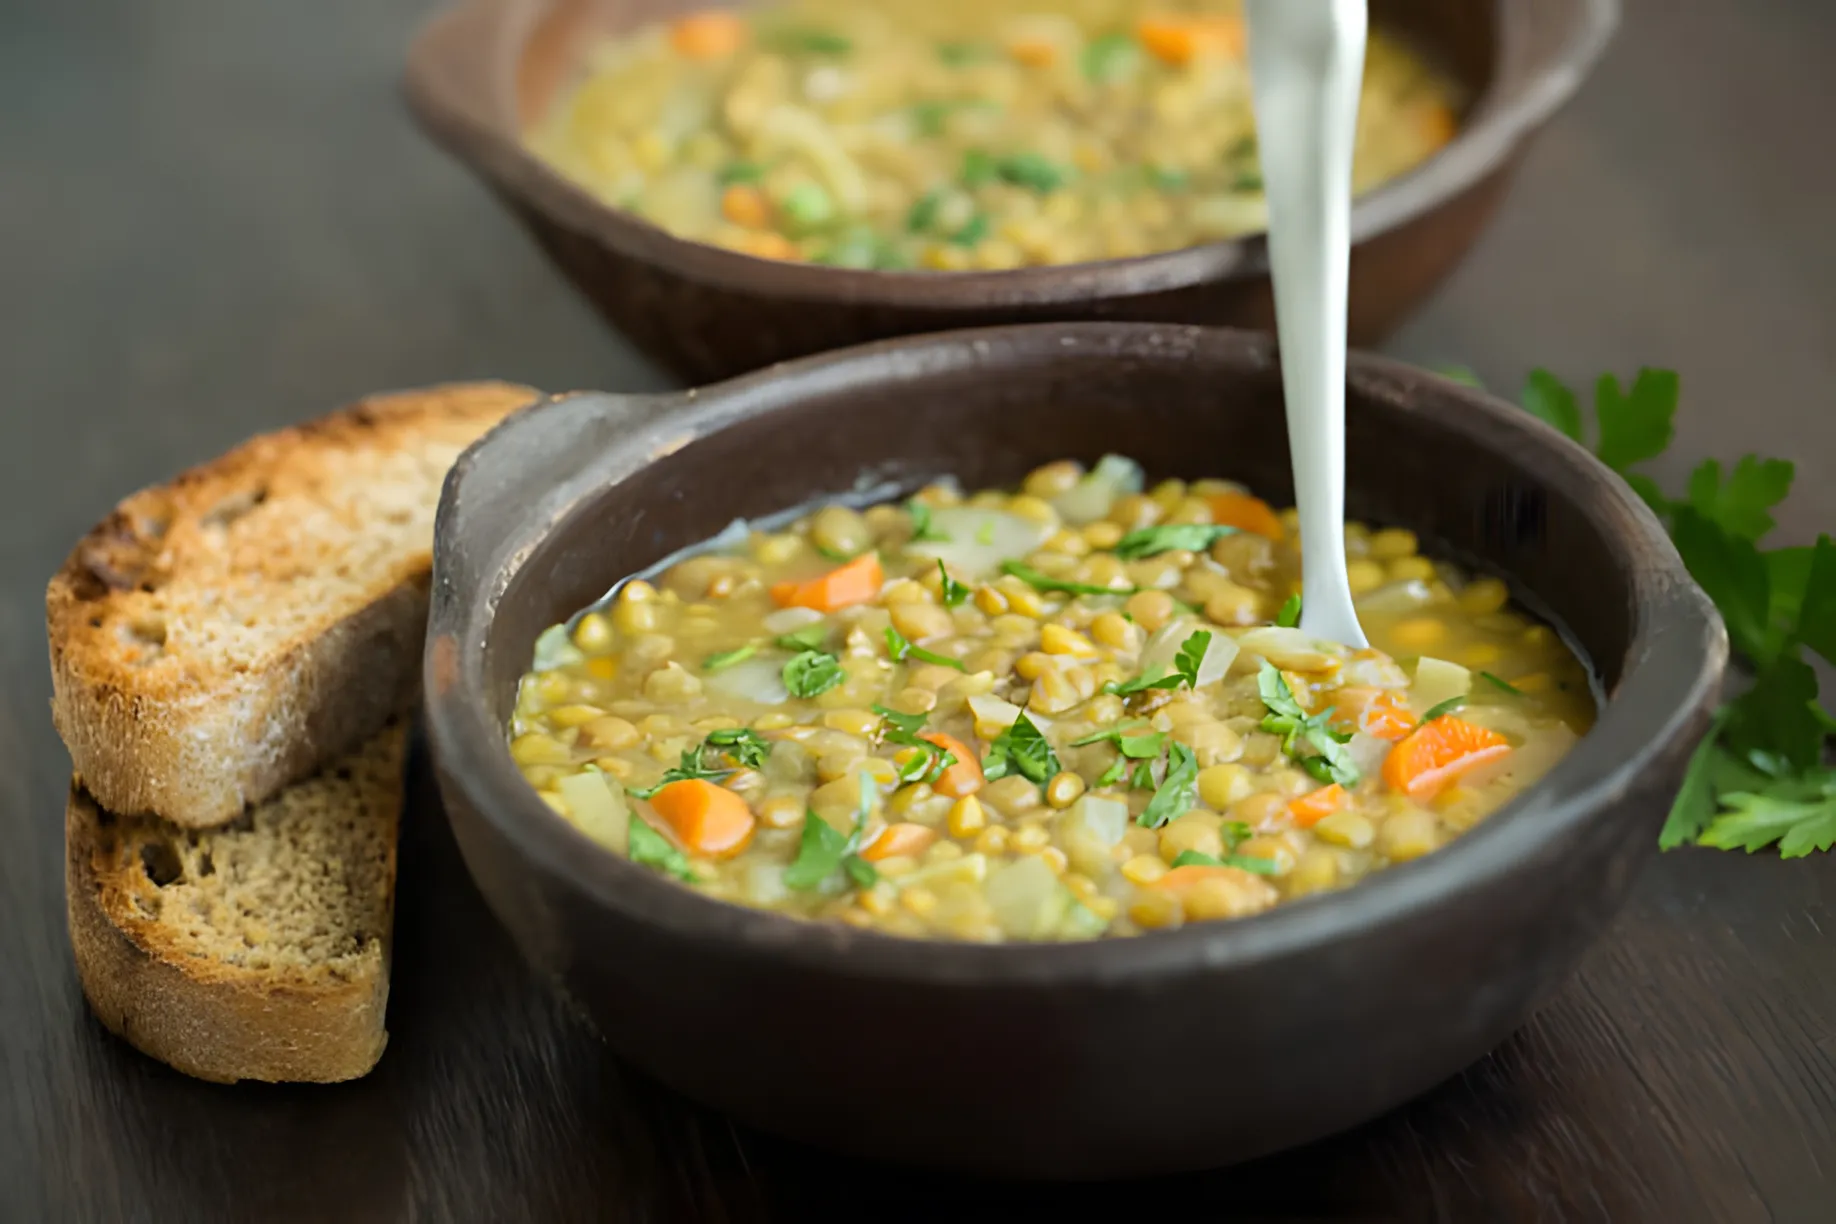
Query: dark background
(215,218)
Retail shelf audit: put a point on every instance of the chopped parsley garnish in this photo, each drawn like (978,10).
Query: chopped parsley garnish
(811,40)
(649,848)
(978,168)
(1143,777)
(1033,171)
(1130,739)
(727,658)
(1235,833)
(1176,793)
(1330,761)
(822,851)
(1289,616)
(812,673)
(923,214)
(1109,57)
(1021,749)
(810,637)
(742,745)
(985,533)
(1444,708)
(1045,582)
(1114,773)
(900,650)
(903,729)
(959,54)
(922,527)
(1187,537)
(741,172)
(1243,862)
(1185,671)
(973,231)
(1500,684)
(952,591)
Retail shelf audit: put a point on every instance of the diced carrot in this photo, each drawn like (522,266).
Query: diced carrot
(1033,52)
(745,205)
(1315,806)
(843,587)
(1182,880)
(706,818)
(708,35)
(1180,40)
(1436,754)
(767,245)
(1383,713)
(962,778)
(1246,513)
(899,839)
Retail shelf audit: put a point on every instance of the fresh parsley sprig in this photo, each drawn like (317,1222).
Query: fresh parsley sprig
(899,650)
(1329,761)
(822,851)
(930,760)
(1021,749)
(723,752)
(1760,777)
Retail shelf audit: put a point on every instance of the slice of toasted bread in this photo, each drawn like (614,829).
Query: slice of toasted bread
(256,951)
(220,637)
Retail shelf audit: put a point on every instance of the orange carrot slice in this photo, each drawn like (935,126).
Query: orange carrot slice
(709,35)
(962,778)
(899,839)
(1436,754)
(854,583)
(706,818)
(1246,513)
(1180,40)
(1315,806)
(1379,712)
(744,205)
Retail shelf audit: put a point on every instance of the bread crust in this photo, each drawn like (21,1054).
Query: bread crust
(204,1015)
(160,716)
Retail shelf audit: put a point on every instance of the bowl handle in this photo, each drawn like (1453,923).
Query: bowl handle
(514,483)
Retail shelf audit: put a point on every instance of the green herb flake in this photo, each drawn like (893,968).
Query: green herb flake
(1109,57)
(1143,777)
(810,637)
(822,851)
(899,649)
(1242,862)
(1024,750)
(1032,171)
(812,673)
(649,848)
(949,589)
(979,167)
(973,231)
(1501,684)
(734,173)
(1289,616)
(1177,792)
(810,40)
(743,744)
(1115,773)
(903,729)
(1329,761)
(1130,738)
(922,527)
(1187,537)
(1443,709)
(985,533)
(1044,582)
(727,658)
(923,214)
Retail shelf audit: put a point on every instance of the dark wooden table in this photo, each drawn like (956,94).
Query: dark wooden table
(215,218)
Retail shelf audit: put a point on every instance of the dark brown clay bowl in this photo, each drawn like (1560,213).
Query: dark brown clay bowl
(1182,1050)
(478,75)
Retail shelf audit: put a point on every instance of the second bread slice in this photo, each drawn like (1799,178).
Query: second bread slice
(222,636)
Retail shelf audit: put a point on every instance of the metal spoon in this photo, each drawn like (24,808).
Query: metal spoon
(1307,65)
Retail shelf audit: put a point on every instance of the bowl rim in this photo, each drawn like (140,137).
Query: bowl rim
(471,50)
(1670,675)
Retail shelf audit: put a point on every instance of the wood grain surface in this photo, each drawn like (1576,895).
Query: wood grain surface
(215,218)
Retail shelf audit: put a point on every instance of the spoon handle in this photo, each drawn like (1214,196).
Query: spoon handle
(1307,65)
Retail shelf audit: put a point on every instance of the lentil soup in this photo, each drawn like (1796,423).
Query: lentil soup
(1075,710)
(954,134)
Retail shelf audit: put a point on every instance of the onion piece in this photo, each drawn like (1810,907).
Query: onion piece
(998,713)
(789,620)
(596,806)
(1162,649)
(1437,680)
(555,648)
(760,679)
(1027,899)
(1367,751)
(978,541)
(1291,649)
(1091,498)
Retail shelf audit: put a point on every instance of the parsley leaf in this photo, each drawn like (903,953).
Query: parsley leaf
(822,851)
(1635,425)
(1188,537)
(1551,402)
(1130,740)
(1243,862)
(1733,574)
(810,637)
(1695,804)
(1502,685)
(1115,772)
(1330,762)
(1289,616)
(900,650)
(1741,505)
(812,674)
(1235,833)
(1800,820)
(1779,715)
(1275,693)
(1044,582)
(1109,57)
(952,591)
(1185,671)
(649,848)
(1176,793)
(1021,749)
(903,729)
(1143,777)
(1816,621)
(1444,708)
(727,658)
(743,744)
(922,527)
